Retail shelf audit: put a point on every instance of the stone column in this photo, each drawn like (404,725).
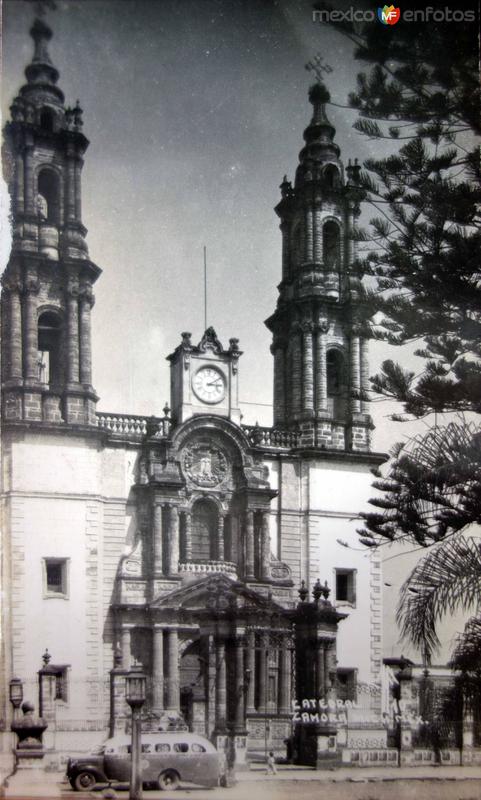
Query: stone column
(296,370)
(285,250)
(309,253)
(31,330)
(285,680)
(307,370)
(249,530)
(220,687)
(78,189)
(317,235)
(73,336)
(30,189)
(86,303)
(173,566)
(126,651)
(19,184)
(265,546)
(321,370)
(173,683)
(15,336)
(220,538)
(355,374)
(70,186)
(263,655)
(364,375)
(157,539)
(251,666)
(158,668)
(188,536)
(327,682)
(239,685)
(279,384)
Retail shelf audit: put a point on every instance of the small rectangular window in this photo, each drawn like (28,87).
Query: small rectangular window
(346,586)
(181,747)
(55,577)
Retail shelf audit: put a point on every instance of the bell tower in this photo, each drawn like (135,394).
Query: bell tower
(320,354)
(47,284)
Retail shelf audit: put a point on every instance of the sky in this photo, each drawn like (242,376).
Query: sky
(195,111)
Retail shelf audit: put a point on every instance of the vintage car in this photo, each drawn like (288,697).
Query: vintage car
(166,760)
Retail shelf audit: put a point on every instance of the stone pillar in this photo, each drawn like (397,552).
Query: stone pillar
(251,666)
(15,334)
(327,682)
(78,189)
(173,566)
(29,193)
(31,330)
(126,649)
(70,188)
(239,685)
(188,536)
(285,250)
(158,668)
(220,538)
(364,375)
(307,370)
(211,685)
(296,370)
(220,687)
(285,680)
(321,370)
(355,374)
(263,656)
(86,302)
(19,184)
(249,530)
(157,539)
(279,384)
(265,546)
(309,253)
(73,336)
(173,683)
(317,235)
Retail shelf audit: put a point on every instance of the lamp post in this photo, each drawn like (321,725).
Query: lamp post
(16,694)
(135,697)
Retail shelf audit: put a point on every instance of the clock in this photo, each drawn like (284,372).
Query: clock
(209,385)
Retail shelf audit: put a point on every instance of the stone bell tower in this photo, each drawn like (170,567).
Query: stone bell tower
(320,355)
(47,285)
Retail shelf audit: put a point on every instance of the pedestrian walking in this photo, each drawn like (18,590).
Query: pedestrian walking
(271,764)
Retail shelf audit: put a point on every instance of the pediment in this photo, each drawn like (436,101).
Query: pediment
(218,593)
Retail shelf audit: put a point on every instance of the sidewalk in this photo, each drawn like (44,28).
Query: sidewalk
(360,774)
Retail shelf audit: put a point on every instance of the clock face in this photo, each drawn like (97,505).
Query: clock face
(209,385)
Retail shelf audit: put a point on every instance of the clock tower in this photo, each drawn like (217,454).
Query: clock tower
(204,378)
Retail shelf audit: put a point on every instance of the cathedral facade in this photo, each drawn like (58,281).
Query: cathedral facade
(189,544)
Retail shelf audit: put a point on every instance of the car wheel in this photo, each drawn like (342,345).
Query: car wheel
(168,780)
(84,781)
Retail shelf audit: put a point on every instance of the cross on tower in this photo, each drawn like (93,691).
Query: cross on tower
(317,67)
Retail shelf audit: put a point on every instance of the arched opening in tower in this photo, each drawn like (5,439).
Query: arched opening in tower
(205,523)
(49,196)
(50,348)
(331,177)
(332,246)
(336,383)
(47,119)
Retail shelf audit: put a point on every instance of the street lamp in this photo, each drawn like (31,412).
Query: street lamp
(135,697)
(16,694)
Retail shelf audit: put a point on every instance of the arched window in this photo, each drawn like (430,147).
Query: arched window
(205,520)
(331,176)
(332,249)
(335,370)
(49,195)
(49,348)
(46,119)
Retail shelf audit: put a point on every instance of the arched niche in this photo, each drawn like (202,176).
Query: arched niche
(205,524)
(47,119)
(50,348)
(48,187)
(331,238)
(336,382)
(332,177)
